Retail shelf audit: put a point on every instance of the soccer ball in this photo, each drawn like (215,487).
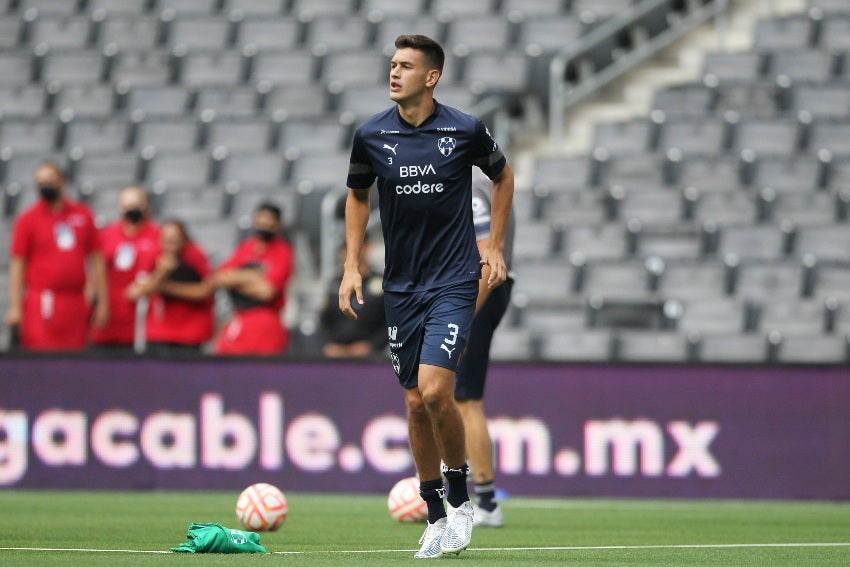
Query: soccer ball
(261,507)
(404,501)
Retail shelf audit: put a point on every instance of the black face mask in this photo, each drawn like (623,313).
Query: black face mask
(134,216)
(264,235)
(49,193)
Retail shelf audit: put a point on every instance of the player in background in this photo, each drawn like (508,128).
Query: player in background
(422,153)
(56,269)
(130,247)
(472,372)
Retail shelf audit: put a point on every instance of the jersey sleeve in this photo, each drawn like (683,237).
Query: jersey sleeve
(486,153)
(279,269)
(21,239)
(361,175)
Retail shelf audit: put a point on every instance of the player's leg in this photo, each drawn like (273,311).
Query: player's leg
(446,330)
(469,392)
(405,315)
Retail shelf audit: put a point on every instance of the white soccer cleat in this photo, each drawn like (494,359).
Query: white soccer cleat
(458,532)
(430,540)
(486,519)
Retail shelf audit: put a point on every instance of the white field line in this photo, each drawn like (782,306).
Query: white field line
(548,548)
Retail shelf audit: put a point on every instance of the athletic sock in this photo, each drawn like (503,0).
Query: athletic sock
(457,485)
(485,492)
(432,492)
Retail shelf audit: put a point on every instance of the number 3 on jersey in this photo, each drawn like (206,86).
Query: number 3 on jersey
(451,339)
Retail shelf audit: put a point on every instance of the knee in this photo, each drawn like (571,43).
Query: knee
(436,396)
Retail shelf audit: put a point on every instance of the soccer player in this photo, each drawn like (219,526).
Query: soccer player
(472,372)
(55,261)
(255,276)
(422,153)
(130,246)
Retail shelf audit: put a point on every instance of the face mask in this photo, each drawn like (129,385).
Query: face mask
(133,215)
(49,193)
(264,235)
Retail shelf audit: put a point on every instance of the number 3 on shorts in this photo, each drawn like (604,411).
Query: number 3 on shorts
(452,338)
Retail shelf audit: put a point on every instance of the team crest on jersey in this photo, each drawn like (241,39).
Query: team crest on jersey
(446,145)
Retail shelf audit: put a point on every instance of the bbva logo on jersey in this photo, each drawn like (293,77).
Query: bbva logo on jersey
(446,145)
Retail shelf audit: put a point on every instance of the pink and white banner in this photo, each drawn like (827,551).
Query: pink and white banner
(654,431)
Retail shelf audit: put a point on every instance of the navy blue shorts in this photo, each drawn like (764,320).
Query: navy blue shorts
(429,327)
(472,372)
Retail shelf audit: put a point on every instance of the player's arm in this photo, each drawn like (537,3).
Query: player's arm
(16,291)
(356,218)
(249,282)
(188,291)
(483,287)
(500,209)
(99,287)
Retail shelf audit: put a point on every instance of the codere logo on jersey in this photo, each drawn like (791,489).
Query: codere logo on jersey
(418,187)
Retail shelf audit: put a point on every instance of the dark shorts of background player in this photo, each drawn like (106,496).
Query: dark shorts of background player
(472,371)
(429,327)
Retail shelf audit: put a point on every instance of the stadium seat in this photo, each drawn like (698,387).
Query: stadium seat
(533,8)
(299,101)
(22,101)
(549,319)
(338,32)
(27,135)
(751,242)
(597,242)
(782,33)
(767,137)
(99,135)
(255,7)
(691,100)
(743,67)
(512,345)
(394,25)
(453,8)
(754,100)
(167,134)
(392,7)
(113,169)
(242,135)
(81,67)
(655,346)
(119,7)
(284,67)
(158,100)
(61,32)
(147,68)
(835,34)
(544,283)
(355,68)
(822,101)
(617,280)
(802,65)
(793,318)
(484,32)
(266,33)
(254,169)
(623,138)
(189,7)
(814,350)
(51,7)
(749,348)
(307,9)
(227,102)
(831,136)
(197,33)
(10,31)
(497,72)
(581,346)
(830,242)
(207,69)
(775,280)
(180,168)
(89,101)
(697,136)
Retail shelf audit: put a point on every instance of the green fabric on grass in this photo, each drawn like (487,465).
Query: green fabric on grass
(215,538)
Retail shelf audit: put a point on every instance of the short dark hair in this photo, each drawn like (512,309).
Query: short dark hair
(270,207)
(432,50)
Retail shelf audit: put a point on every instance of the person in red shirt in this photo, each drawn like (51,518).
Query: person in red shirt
(130,248)
(180,311)
(255,276)
(56,268)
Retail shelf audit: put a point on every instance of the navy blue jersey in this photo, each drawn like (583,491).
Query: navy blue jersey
(424,177)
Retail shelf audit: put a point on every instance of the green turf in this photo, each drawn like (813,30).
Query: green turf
(332,529)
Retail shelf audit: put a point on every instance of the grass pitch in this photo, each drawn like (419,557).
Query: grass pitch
(138,528)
